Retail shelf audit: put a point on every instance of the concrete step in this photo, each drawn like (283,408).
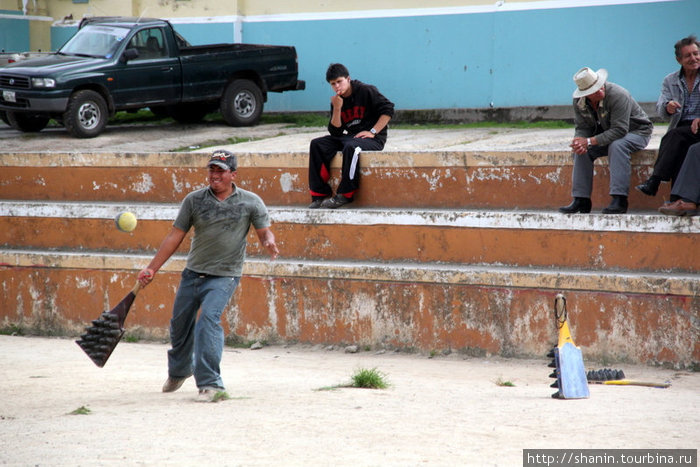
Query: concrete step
(631,242)
(401,179)
(634,317)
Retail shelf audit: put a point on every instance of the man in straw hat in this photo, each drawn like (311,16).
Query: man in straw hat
(609,122)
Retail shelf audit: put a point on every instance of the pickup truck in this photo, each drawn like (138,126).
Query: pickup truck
(115,63)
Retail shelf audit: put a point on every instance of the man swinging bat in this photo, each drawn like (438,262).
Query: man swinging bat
(221,215)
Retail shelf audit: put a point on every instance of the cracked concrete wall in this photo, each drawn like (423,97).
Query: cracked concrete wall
(471,319)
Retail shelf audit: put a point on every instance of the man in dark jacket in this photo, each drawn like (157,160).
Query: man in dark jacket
(609,122)
(359,118)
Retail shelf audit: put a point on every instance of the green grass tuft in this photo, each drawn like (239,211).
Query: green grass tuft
(332,388)
(363,378)
(372,379)
(82,410)
(220,396)
(12,330)
(502,383)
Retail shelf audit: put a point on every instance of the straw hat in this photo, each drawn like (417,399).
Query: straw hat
(589,81)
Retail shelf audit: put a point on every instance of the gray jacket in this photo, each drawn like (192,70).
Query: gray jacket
(671,90)
(618,114)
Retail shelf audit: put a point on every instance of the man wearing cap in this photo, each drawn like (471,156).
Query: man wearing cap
(609,122)
(221,215)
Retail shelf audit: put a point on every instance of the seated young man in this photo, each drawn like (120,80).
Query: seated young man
(359,118)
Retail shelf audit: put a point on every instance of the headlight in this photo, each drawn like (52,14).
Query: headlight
(43,82)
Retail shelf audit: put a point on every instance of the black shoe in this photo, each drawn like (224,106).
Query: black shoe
(315,204)
(578,205)
(650,187)
(618,205)
(335,202)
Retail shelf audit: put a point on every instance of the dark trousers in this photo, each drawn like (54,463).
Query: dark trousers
(321,153)
(687,184)
(672,150)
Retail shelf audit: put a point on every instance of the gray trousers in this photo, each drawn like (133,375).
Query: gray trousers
(687,184)
(618,153)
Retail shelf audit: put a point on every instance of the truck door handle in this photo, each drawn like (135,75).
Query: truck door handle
(166,68)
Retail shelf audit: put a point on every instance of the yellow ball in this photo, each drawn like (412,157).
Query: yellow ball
(126,221)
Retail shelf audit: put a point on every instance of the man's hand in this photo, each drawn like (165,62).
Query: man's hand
(146,276)
(672,107)
(271,248)
(579,145)
(695,125)
(364,134)
(337,101)
(267,239)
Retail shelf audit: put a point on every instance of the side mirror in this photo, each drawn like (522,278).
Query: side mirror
(130,54)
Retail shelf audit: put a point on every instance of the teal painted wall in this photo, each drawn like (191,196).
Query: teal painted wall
(60,35)
(504,59)
(14,35)
(211,33)
(499,58)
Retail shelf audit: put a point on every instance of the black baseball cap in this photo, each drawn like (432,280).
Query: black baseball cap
(224,159)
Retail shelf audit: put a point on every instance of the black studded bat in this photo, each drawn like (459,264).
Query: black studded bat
(102,337)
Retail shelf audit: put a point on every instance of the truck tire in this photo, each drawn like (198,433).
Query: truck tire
(3,117)
(26,123)
(242,103)
(86,114)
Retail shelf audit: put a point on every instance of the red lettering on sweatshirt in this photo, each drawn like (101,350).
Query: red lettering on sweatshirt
(353,113)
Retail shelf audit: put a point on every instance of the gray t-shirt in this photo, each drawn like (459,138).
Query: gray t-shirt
(220,229)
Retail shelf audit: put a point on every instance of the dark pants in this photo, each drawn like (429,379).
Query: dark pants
(672,150)
(687,184)
(321,153)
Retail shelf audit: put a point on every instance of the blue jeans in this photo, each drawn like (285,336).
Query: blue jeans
(197,344)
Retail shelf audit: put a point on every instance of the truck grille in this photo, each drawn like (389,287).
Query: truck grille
(13,81)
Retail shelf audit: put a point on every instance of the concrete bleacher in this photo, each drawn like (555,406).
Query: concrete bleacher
(442,251)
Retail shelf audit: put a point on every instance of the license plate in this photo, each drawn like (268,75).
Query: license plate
(9,96)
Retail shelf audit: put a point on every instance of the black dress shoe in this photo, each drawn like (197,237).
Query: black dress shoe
(578,205)
(650,187)
(618,205)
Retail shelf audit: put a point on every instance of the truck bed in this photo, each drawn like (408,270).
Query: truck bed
(218,48)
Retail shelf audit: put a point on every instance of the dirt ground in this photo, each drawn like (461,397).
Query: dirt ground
(447,410)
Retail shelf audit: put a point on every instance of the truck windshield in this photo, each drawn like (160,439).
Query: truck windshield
(95,41)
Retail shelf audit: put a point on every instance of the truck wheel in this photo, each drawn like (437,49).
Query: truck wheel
(26,123)
(242,103)
(3,117)
(86,115)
